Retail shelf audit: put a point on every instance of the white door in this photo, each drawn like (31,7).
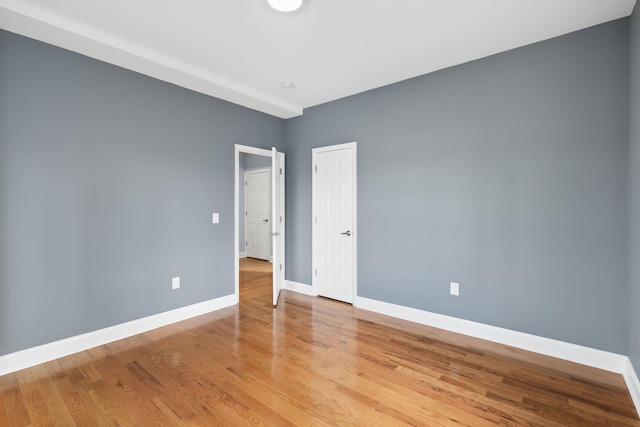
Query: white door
(334,222)
(277,223)
(257,213)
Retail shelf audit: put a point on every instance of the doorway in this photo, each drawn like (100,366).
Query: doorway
(277,222)
(334,226)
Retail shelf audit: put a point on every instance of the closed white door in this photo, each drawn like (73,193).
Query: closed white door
(277,224)
(257,213)
(334,233)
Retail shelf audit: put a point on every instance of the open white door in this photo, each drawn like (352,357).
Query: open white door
(277,220)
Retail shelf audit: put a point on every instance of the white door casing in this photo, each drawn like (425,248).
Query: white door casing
(334,223)
(277,223)
(257,213)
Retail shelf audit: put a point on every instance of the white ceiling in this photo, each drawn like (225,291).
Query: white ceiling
(241,50)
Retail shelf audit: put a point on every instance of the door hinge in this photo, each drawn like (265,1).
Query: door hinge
(280,171)
(246,243)
(316,220)
(280,219)
(316,272)
(280,267)
(316,168)
(245,183)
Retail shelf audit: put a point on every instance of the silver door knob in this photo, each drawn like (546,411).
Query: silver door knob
(265,220)
(346,233)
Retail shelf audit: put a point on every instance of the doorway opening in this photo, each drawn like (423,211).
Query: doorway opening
(250,157)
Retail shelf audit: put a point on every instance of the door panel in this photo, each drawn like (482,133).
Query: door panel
(334,214)
(257,206)
(277,224)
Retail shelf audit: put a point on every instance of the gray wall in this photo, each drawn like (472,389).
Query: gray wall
(257,162)
(107,184)
(634,195)
(247,162)
(507,175)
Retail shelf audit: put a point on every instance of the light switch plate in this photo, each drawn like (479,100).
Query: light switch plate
(454,288)
(215,218)
(175,283)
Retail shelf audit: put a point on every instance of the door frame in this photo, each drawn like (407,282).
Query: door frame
(236,210)
(260,170)
(354,241)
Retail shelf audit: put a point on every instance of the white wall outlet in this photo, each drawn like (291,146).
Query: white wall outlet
(454,288)
(215,218)
(175,283)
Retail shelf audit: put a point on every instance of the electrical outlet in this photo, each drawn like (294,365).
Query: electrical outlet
(175,283)
(454,288)
(215,218)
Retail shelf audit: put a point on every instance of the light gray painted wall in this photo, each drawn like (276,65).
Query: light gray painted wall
(254,162)
(108,179)
(507,175)
(634,195)
(247,162)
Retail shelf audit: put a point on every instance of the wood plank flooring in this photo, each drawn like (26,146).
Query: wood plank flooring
(311,361)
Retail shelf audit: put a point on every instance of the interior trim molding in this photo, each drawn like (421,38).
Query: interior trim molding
(300,288)
(44,353)
(242,254)
(633,383)
(572,352)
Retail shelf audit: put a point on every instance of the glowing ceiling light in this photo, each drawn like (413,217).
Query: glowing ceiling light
(285,5)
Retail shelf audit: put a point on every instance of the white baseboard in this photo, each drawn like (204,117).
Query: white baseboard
(242,254)
(575,353)
(633,384)
(300,288)
(44,353)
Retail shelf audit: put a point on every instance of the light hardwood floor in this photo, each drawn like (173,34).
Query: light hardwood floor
(311,361)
